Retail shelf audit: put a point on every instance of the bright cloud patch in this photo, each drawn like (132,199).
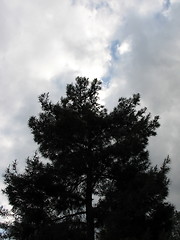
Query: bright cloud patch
(124,48)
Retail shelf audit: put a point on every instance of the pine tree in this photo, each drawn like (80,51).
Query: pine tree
(91,154)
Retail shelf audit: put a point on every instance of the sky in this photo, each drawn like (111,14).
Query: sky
(133,46)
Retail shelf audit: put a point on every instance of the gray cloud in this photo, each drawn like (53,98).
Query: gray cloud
(152,69)
(45,45)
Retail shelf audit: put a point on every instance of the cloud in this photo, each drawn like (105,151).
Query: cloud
(132,45)
(124,47)
(152,69)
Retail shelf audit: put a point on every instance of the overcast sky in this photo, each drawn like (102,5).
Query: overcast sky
(132,45)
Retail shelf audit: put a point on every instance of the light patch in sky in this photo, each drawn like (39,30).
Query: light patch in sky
(6,143)
(124,47)
(148,7)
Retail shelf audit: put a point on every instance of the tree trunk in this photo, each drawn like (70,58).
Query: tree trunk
(89,208)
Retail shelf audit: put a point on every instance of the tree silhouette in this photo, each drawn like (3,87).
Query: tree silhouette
(92,154)
(5,223)
(176,226)
(134,207)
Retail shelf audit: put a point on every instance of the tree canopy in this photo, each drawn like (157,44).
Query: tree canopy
(98,178)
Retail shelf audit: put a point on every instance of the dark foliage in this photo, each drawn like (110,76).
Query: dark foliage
(175,235)
(91,154)
(134,208)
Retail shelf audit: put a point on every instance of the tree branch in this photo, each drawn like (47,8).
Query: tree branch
(70,215)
